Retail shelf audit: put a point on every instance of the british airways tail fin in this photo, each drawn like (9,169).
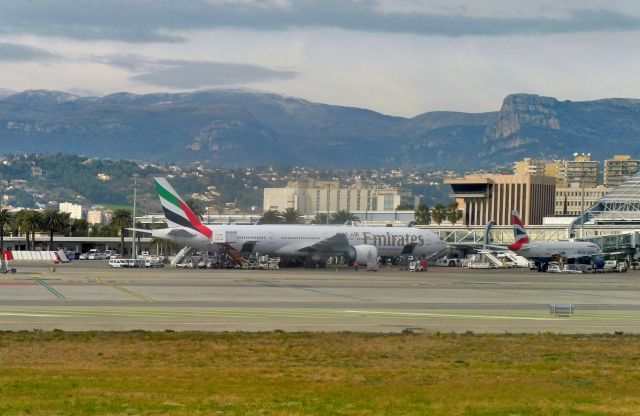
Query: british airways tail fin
(519,233)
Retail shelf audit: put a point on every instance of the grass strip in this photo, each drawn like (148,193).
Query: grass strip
(278,373)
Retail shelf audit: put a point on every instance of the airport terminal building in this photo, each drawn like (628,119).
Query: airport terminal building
(483,198)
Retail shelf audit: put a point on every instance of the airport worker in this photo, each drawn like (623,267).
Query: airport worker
(424,264)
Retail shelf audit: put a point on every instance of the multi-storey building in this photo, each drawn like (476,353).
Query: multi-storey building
(74,210)
(619,169)
(573,200)
(581,170)
(312,196)
(530,166)
(483,198)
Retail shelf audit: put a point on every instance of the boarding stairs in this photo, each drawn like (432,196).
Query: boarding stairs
(230,257)
(492,258)
(181,255)
(518,261)
(438,255)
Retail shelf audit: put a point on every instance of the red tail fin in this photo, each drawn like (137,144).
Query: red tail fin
(519,233)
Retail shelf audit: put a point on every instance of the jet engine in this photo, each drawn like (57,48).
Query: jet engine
(362,253)
(598,262)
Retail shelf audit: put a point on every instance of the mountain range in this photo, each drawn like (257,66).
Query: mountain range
(249,128)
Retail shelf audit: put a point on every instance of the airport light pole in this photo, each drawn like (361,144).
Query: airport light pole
(366,207)
(134,254)
(328,200)
(582,207)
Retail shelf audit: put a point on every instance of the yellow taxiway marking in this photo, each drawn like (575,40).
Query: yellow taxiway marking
(125,290)
(449,315)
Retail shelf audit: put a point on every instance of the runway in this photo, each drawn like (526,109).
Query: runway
(89,296)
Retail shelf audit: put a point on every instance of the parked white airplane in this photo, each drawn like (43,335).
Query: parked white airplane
(313,243)
(542,252)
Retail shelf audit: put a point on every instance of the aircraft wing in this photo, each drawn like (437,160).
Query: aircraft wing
(495,247)
(337,243)
(181,232)
(141,230)
(172,232)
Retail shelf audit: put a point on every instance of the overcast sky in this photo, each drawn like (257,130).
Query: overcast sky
(399,57)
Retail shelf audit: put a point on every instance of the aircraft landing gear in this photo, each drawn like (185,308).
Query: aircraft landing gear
(315,264)
(542,267)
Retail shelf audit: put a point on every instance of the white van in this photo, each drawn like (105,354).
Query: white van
(135,263)
(153,263)
(118,263)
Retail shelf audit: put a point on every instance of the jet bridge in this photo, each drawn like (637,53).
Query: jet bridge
(624,243)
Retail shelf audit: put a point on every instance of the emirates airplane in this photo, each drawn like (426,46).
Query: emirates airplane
(312,243)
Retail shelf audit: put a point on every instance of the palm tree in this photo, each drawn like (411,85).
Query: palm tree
(28,222)
(439,213)
(292,216)
(320,218)
(423,214)
(162,245)
(6,217)
(34,220)
(271,217)
(453,213)
(196,207)
(343,216)
(53,221)
(20,225)
(120,220)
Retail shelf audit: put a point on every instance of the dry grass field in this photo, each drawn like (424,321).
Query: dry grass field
(58,373)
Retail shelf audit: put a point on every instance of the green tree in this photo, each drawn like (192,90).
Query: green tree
(320,218)
(53,221)
(271,217)
(423,214)
(20,226)
(95,230)
(107,231)
(120,220)
(438,213)
(6,218)
(343,216)
(292,216)
(79,227)
(453,213)
(28,222)
(34,219)
(162,245)
(404,207)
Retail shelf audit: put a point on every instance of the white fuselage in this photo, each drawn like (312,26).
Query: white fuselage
(295,240)
(566,249)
